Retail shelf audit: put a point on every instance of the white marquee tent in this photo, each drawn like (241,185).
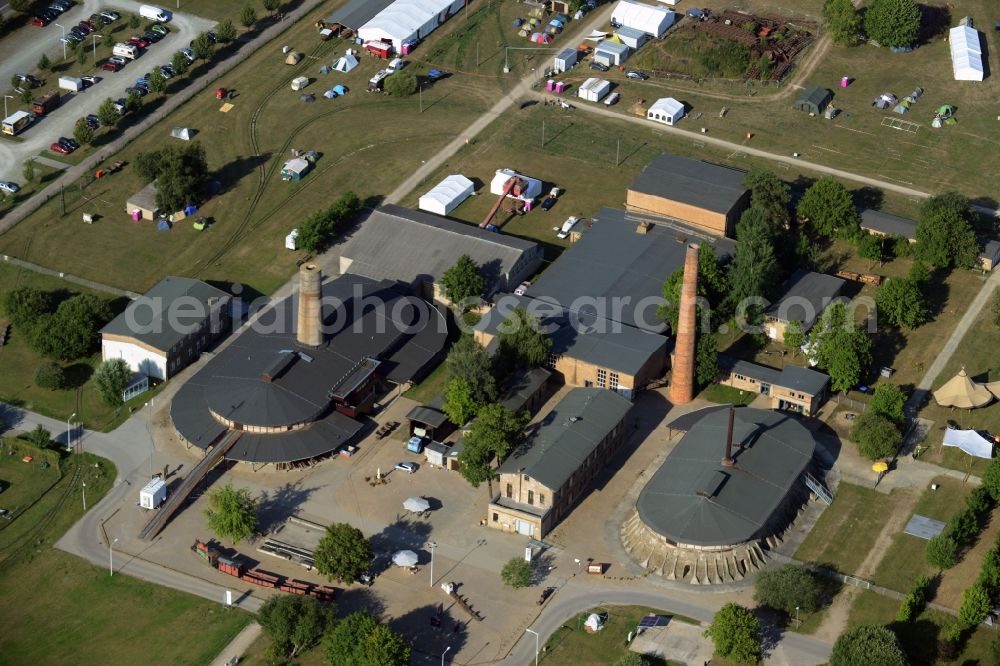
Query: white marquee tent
(966,53)
(408,20)
(447,195)
(666,110)
(652,20)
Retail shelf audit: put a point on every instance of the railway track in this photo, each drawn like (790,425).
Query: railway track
(32,536)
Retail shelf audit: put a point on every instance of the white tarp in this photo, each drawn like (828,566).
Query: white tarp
(593,623)
(651,20)
(966,53)
(969,441)
(447,195)
(182,133)
(597,36)
(408,20)
(346,63)
(500,179)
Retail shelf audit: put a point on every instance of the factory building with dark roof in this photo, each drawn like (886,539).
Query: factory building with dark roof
(293,400)
(723,495)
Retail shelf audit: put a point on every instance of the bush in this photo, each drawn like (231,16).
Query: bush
(979,500)
(942,552)
(976,605)
(516,573)
(991,479)
(876,436)
(914,602)
(401,84)
(735,634)
(963,526)
(989,575)
(788,588)
(50,376)
(866,645)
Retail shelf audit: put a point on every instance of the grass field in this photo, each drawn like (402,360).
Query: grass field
(904,560)
(725,395)
(919,638)
(848,528)
(571,645)
(24,483)
(60,610)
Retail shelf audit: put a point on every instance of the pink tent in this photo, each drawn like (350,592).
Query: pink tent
(541,38)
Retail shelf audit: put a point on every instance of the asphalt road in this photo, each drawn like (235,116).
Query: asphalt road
(19,53)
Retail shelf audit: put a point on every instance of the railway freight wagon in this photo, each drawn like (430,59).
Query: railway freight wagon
(236,568)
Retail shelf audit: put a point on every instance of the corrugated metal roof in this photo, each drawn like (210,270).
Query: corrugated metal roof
(710,186)
(771,450)
(806,295)
(567,435)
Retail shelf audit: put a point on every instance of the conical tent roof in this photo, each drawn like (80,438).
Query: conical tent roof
(962,392)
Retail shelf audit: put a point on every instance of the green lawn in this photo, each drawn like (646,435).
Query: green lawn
(725,395)
(848,528)
(432,384)
(919,639)
(24,483)
(904,560)
(61,610)
(572,645)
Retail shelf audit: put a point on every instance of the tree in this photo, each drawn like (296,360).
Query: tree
(516,573)
(248,17)
(294,623)
(942,551)
(468,361)
(494,434)
(770,195)
(44,63)
(28,170)
(976,605)
(157,82)
(83,133)
(107,113)
(788,589)
(876,436)
(901,304)
(868,644)
(385,647)
(914,602)
(794,336)
(841,348)
(359,640)
(459,403)
(179,63)
(989,575)
(893,23)
(24,306)
(26,95)
(202,46)
(39,437)
(133,102)
(712,286)
(735,634)
(20,6)
(343,553)
(225,32)
(754,271)
(843,22)
(179,171)
(401,84)
(111,378)
(134,21)
(72,332)
(81,54)
(316,232)
(945,235)
(706,359)
(869,245)
(51,376)
(991,479)
(888,401)
(271,5)
(829,208)
(522,344)
(462,282)
(232,513)
(109,39)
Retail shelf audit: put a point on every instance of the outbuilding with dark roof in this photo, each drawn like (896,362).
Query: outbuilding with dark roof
(793,388)
(884,224)
(806,295)
(814,100)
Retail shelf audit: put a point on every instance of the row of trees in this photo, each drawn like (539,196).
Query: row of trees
(890,23)
(61,330)
(316,232)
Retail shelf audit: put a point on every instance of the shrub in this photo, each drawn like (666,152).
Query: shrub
(50,376)
(979,500)
(989,575)
(976,605)
(914,602)
(866,645)
(963,526)
(942,552)
(787,588)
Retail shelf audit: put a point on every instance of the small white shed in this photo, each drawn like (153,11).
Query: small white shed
(631,37)
(153,494)
(666,110)
(447,195)
(611,53)
(564,60)
(594,89)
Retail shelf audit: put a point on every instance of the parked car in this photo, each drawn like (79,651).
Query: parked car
(85,26)
(119,106)
(160,29)
(9,187)
(28,80)
(612,99)
(136,40)
(141,91)
(109,66)
(189,54)
(152,37)
(548,203)
(89,80)
(69,143)
(59,148)
(567,226)
(93,122)
(167,71)
(407,467)
(600,67)
(40,21)
(118,60)
(522,288)
(636,74)
(111,16)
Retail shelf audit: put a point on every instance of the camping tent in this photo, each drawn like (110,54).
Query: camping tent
(163,225)
(182,133)
(325,69)
(541,38)
(295,168)
(447,195)
(309,97)
(404,558)
(969,441)
(666,110)
(966,52)
(346,63)
(290,242)
(962,392)
(651,20)
(330,94)
(293,58)
(814,100)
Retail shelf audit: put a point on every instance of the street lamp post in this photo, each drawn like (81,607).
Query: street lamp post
(85,497)
(5,98)
(111,557)
(95,36)
(797,623)
(63,38)
(152,444)
(69,432)
(532,631)
(432,545)
(444,653)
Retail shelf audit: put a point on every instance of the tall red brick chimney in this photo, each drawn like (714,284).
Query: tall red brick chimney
(682,379)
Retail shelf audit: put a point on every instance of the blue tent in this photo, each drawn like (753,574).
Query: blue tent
(190,209)
(163,225)
(339,89)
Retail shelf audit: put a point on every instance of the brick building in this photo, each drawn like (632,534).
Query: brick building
(792,388)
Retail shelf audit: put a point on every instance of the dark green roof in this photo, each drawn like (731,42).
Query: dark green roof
(567,435)
(694,499)
(145,319)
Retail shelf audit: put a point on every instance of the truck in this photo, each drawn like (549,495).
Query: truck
(16,122)
(71,83)
(42,105)
(154,13)
(153,493)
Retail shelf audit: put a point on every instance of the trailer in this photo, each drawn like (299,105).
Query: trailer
(47,102)
(71,83)
(16,122)
(153,494)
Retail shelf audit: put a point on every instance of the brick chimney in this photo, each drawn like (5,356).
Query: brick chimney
(682,379)
(309,332)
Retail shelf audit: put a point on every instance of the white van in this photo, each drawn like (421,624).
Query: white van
(126,51)
(154,13)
